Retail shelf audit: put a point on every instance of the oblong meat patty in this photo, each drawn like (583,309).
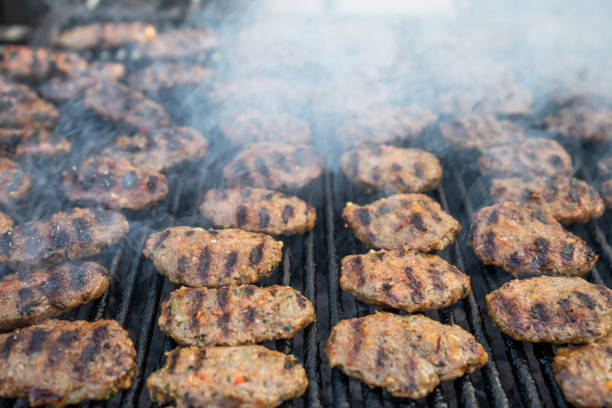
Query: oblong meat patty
(255,126)
(525,239)
(180,43)
(36,62)
(407,355)
(234,315)
(552,309)
(580,121)
(242,376)
(34,142)
(481,132)
(15,182)
(105,35)
(197,257)
(257,209)
(21,107)
(412,221)
(6,223)
(166,75)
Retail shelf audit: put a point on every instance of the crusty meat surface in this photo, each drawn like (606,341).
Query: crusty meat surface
(275,166)
(552,309)
(198,257)
(527,240)
(60,362)
(166,75)
(584,373)
(33,296)
(258,209)
(568,199)
(180,43)
(499,99)
(161,149)
(403,279)
(229,377)
(116,183)
(581,122)
(33,142)
(35,62)
(119,103)
(532,157)
(604,167)
(74,234)
(392,169)
(234,315)
(413,221)
(6,223)
(15,183)
(21,107)
(407,355)
(480,132)
(252,126)
(606,193)
(105,35)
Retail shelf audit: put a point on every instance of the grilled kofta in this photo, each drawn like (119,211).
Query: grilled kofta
(275,166)
(392,169)
(581,122)
(21,107)
(60,362)
(480,132)
(34,62)
(179,43)
(241,376)
(6,223)
(119,103)
(35,295)
(527,240)
(33,142)
(253,126)
(159,150)
(407,355)
(533,157)
(105,35)
(552,309)
(606,192)
(234,315)
(584,373)
(507,98)
(258,209)
(568,199)
(198,257)
(116,183)
(15,183)
(413,221)
(403,279)
(75,234)
(166,75)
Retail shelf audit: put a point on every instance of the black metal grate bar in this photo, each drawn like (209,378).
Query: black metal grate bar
(311,333)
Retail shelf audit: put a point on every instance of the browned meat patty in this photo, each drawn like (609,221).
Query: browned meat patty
(531,157)
(116,183)
(60,362)
(15,183)
(392,169)
(581,122)
(403,279)
(33,296)
(34,62)
(257,209)
(6,223)
(198,257)
(161,149)
(584,373)
(119,103)
(413,221)
(568,199)
(606,193)
(74,234)
(501,99)
(165,75)
(21,107)
(242,376)
(386,125)
(481,132)
(274,166)
(527,240)
(252,126)
(234,315)
(407,355)
(105,35)
(180,43)
(32,142)
(604,167)
(552,309)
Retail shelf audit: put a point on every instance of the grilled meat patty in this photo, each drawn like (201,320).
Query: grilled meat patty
(533,157)
(407,355)
(258,209)
(166,75)
(584,373)
(15,183)
(568,199)
(105,35)
(507,98)
(180,43)
(581,122)
(604,167)
(60,362)
(198,257)
(606,193)
(34,62)
(480,132)
(392,169)
(242,376)
(34,142)
(119,103)
(6,223)
(21,107)
(412,221)
(253,126)
(527,240)
(33,296)
(75,234)
(403,279)
(274,166)
(159,150)
(115,183)
(552,309)
(234,315)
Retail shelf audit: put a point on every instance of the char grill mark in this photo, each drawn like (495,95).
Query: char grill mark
(204,263)
(241,216)
(256,254)
(264,217)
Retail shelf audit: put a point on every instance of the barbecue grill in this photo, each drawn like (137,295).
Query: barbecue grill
(517,374)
